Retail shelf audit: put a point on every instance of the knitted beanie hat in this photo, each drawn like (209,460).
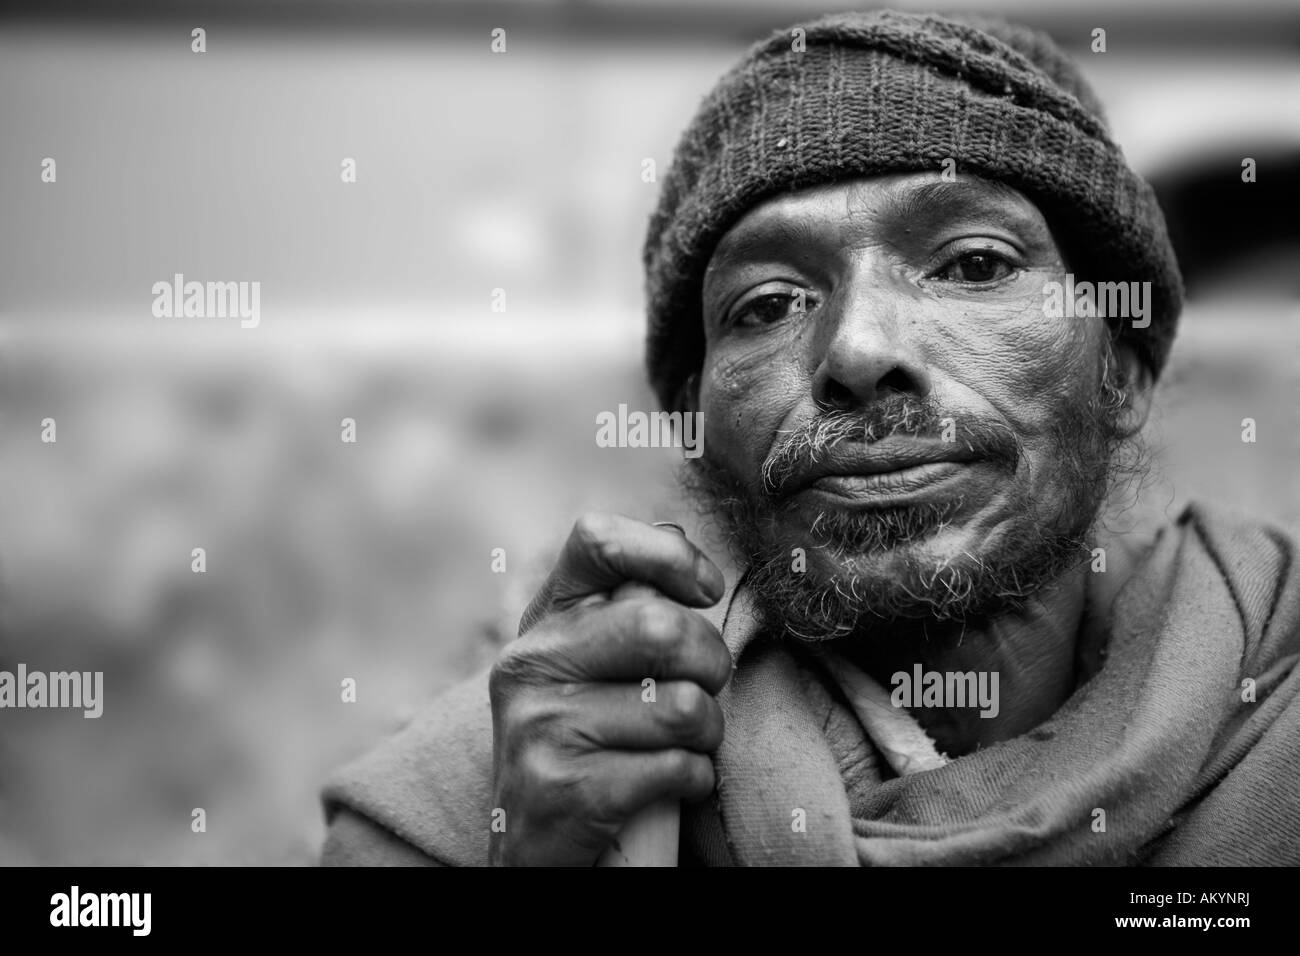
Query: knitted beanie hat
(879,92)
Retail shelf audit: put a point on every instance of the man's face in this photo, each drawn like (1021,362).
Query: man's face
(892,425)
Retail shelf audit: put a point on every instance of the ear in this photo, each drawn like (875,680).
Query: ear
(1139,387)
(688,394)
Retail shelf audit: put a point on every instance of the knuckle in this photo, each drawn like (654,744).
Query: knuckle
(592,530)
(607,552)
(687,710)
(509,671)
(543,774)
(500,681)
(658,624)
(692,773)
(678,764)
(550,716)
(534,714)
(701,776)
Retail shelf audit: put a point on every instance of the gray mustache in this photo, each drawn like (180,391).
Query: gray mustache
(801,447)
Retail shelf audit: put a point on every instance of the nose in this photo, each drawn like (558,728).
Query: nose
(869,349)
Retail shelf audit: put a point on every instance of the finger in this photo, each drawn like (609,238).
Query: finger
(622,783)
(652,715)
(624,641)
(605,550)
(635,588)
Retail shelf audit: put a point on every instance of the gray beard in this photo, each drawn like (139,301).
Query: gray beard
(970,588)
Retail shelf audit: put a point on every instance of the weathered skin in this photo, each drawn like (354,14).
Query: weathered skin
(913,286)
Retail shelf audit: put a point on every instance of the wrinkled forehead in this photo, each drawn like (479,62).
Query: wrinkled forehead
(887,206)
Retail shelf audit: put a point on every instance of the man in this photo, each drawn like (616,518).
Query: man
(922,647)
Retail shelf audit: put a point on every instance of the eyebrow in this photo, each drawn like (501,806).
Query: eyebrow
(768,236)
(959,197)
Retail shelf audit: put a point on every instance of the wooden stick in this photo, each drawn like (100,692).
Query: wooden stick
(649,839)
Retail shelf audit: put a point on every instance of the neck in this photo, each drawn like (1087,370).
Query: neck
(1032,651)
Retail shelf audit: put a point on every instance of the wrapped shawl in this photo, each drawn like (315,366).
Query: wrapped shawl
(1187,737)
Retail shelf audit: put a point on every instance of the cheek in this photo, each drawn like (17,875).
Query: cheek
(1027,366)
(747,390)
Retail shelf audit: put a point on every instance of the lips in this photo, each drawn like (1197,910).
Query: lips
(895,465)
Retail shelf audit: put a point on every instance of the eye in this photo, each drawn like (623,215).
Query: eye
(769,308)
(976,268)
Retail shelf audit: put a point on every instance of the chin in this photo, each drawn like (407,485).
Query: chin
(867,540)
(897,563)
(941,572)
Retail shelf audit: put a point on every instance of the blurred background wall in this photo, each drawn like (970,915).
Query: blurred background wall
(476,171)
